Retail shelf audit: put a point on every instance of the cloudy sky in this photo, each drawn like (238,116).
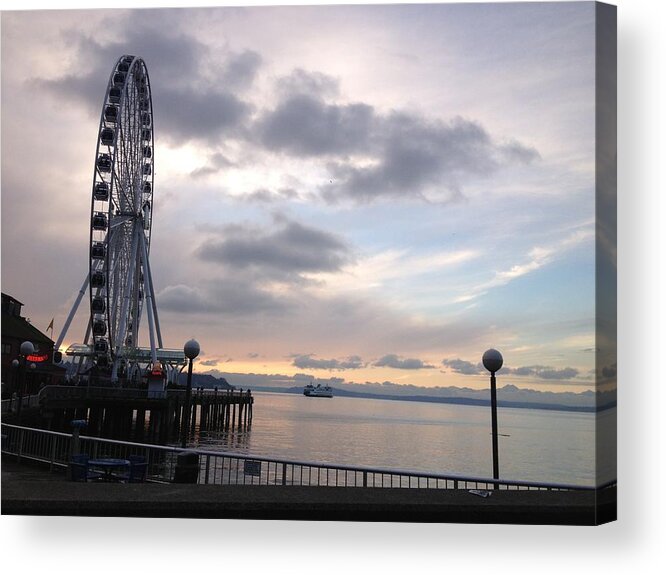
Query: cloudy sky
(374,193)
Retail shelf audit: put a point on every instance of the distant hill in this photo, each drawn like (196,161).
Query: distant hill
(509,395)
(450,400)
(205,380)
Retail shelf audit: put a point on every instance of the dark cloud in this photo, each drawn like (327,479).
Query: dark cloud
(240,69)
(242,296)
(404,155)
(216,162)
(206,115)
(182,298)
(515,152)
(289,250)
(542,372)
(172,58)
(187,108)
(265,196)
(462,366)
(416,155)
(233,296)
(308,83)
(201,99)
(304,125)
(565,373)
(86,88)
(309,362)
(392,360)
(538,371)
(520,371)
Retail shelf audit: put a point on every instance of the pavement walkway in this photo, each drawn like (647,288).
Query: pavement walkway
(32,490)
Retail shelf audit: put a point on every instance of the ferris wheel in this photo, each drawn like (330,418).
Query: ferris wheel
(121,215)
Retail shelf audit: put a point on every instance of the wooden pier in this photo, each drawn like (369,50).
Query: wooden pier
(132,415)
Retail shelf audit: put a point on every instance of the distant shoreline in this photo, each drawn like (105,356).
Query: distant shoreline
(450,400)
(222,381)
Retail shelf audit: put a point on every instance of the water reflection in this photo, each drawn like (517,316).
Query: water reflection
(235,440)
(536,445)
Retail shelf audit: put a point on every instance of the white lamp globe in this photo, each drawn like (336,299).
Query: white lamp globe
(27,348)
(191,349)
(492,360)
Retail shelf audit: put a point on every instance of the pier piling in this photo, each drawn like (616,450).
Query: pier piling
(129,414)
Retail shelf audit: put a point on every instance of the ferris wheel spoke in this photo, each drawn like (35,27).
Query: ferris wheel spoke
(121,185)
(119,221)
(126,297)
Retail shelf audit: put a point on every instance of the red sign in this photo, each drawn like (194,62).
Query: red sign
(37,358)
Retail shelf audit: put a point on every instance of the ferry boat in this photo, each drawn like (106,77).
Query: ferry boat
(317,391)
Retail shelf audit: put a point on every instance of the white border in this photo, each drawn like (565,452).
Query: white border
(633,544)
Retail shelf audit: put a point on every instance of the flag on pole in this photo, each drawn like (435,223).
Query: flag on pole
(50,327)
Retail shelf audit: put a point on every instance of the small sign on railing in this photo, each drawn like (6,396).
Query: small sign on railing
(252,467)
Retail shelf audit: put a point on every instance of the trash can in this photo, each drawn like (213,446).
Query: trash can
(77,425)
(187,467)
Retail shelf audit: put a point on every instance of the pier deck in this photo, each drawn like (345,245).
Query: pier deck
(132,414)
(28,490)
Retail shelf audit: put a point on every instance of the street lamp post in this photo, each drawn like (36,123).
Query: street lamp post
(25,350)
(492,361)
(15,372)
(191,350)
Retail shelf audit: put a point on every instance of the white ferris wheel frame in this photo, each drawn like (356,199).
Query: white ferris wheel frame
(119,276)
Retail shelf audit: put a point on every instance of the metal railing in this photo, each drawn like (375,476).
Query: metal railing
(223,468)
(62,392)
(9,405)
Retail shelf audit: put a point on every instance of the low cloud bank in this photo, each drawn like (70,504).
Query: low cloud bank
(506,393)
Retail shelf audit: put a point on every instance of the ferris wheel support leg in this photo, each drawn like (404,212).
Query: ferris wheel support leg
(153,301)
(72,313)
(81,363)
(149,296)
(120,336)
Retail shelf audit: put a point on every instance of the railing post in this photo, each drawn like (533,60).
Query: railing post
(20,446)
(147,458)
(284,473)
(207,468)
(54,441)
(365,479)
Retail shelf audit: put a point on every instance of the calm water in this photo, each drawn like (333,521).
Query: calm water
(550,446)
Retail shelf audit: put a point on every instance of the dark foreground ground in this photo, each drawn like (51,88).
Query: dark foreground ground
(30,490)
